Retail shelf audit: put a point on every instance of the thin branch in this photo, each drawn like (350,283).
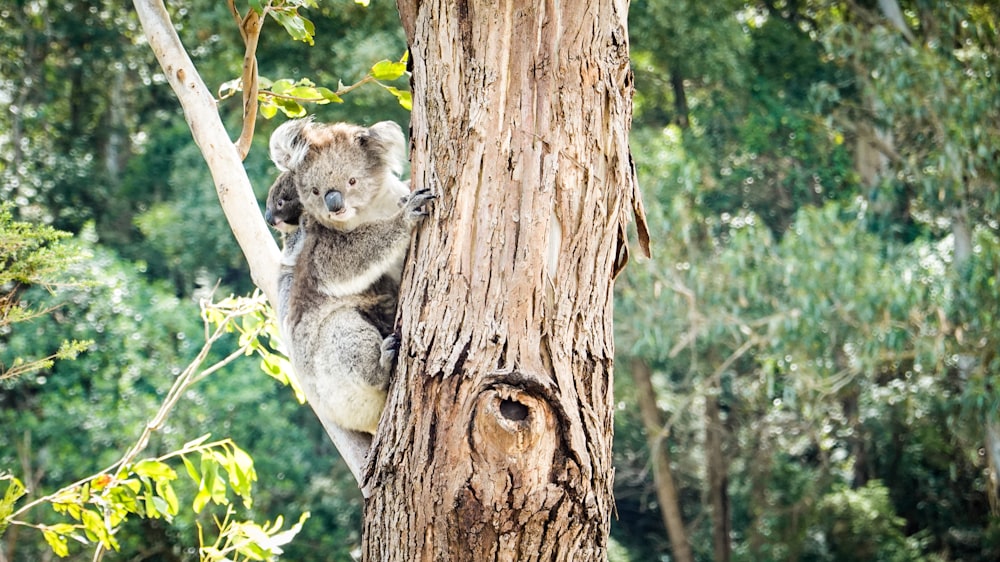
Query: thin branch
(184,381)
(236,16)
(250,30)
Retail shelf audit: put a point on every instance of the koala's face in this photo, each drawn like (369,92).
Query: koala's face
(340,171)
(283,204)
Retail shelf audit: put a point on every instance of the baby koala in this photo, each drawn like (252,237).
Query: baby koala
(283,212)
(354,231)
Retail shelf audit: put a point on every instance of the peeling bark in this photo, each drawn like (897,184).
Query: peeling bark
(496,439)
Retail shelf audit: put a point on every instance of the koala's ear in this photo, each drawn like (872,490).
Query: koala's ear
(386,140)
(289,144)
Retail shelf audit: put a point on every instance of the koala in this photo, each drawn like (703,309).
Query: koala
(355,225)
(283,207)
(282,212)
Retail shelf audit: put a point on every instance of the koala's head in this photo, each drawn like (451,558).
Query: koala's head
(283,205)
(344,174)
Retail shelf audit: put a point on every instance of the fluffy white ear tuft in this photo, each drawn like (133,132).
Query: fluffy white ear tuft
(289,144)
(387,137)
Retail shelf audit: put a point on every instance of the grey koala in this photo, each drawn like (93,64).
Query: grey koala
(283,212)
(283,208)
(353,235)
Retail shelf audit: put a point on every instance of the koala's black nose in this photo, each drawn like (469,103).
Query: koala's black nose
(269,217)
(334,201)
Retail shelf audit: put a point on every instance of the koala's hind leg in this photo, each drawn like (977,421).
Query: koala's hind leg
(368,355)
(339,358)
(390,349)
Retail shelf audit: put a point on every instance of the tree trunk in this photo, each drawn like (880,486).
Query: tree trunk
(659,451)
(680,98)
(718,478)
(496,439)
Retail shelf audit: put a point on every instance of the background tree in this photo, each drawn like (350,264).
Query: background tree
(836,315)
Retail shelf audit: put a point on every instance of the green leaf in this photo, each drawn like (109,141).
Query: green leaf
(191,470)
(15,491)
(256,6)
(213,484)
(405,98)
(207,483)
(166,491)
(303,92)
(290,108)
(93,525)
(201,499)
(155,470)
(162,507)
(241,474)
(300,28)
(244,463)
(281,86)
(57,542)
(387,70)
(267,109)
(126,496)
(329,95)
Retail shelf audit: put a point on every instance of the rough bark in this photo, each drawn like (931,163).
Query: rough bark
(496,439)
(663,477)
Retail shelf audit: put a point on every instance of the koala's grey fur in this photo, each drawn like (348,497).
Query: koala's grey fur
(345,262)
(283,208)
(283,212)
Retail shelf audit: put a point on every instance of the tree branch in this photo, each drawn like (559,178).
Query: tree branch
(250,28)
(231,181)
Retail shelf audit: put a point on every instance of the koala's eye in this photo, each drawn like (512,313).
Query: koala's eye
(315,191)
(352,181)
(279,203)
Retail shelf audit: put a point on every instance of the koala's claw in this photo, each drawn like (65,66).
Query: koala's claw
(414,204)
(390,349)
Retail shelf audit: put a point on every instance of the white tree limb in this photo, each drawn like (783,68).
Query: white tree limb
(231,181)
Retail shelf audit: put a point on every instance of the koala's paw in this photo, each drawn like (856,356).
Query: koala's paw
(416,205)
(390,349)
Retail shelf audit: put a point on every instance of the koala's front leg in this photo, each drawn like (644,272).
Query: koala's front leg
(415,205)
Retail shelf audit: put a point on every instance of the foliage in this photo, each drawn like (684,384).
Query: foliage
(98,505)
(31,255)
(289,95)
(861,524)
(827,227)
(106,397)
